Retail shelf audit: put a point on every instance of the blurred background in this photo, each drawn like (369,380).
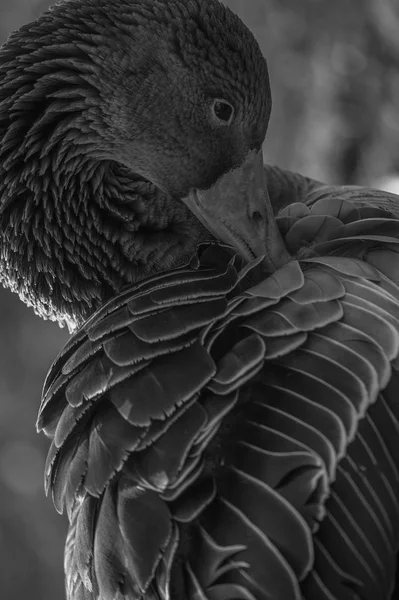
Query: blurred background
(334,69)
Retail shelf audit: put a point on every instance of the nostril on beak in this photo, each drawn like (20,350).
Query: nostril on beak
(257,217)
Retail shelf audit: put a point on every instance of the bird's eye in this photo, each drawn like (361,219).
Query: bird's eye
(223,111)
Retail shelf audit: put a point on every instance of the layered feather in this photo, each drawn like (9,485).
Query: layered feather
(219,434)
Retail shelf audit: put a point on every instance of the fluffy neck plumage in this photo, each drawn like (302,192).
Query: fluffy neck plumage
(72,241)
(75,227)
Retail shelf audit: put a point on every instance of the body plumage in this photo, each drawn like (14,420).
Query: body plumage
(221,435)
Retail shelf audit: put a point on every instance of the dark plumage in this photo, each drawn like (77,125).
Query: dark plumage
(226,429)
(280,480)
(82,122)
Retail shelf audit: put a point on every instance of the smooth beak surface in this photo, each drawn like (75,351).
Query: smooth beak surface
(238,211)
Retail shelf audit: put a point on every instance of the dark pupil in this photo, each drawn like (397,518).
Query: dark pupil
(223,111)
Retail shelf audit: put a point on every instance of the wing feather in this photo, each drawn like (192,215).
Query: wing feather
(219,433)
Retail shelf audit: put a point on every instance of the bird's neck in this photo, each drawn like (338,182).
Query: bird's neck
(73,237)
(75,227)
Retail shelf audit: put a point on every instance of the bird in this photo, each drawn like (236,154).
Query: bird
(224,418)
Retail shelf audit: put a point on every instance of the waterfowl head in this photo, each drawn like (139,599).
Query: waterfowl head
(114,118)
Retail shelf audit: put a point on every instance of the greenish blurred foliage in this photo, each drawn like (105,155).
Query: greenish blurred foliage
(334,75)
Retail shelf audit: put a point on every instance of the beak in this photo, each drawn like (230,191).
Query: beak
(238,211)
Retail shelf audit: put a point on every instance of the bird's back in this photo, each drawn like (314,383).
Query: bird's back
(220,434)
